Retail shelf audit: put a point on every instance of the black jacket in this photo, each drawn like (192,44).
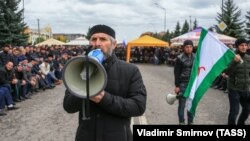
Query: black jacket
(239,74)
(4,58)
(6,76)
(125,97)
(183,68)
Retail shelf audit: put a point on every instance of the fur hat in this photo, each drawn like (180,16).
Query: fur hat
(102,29)
(240,41)
(188,42)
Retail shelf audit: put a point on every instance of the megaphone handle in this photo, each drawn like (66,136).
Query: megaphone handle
(87,108)
(84,117)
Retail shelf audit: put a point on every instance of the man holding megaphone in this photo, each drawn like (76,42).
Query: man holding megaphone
(111,109)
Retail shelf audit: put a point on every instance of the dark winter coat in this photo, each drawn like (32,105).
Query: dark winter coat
(5,75)
(4,58)
(239,74)
(125,97)
(183,68)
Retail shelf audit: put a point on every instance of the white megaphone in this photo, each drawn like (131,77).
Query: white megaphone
(170,98)
(96,55)
(75,74)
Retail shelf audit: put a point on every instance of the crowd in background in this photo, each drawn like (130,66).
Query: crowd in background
(25,71)
(153,55)
(28,70)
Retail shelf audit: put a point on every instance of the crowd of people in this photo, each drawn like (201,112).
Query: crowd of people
(154,55)
(25,71)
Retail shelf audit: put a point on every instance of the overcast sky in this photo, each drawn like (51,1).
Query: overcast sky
(129,18)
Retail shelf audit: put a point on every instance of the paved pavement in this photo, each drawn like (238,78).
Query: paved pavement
(42,118)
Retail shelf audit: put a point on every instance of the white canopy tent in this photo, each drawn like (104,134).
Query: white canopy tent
(50,42)
(78,42)
(195,36)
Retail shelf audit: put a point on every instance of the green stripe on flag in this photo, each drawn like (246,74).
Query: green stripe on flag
(196,65)
(218,67)
(197,86)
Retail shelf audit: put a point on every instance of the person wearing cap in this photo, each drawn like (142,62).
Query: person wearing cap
(5,56)
(30,79)
(15,56)
(6,74)
(123,98)
(248,47)
(54,67)
(238,84)
(182,72)
(20,87)
(45,69)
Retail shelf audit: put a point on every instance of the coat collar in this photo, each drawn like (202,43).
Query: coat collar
(110,61)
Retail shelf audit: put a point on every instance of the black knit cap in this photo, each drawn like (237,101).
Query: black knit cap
(50,55)
(188,42)
(240,41)
(102,29)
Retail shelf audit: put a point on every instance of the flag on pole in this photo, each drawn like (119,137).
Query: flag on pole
(124,42)
(212,57)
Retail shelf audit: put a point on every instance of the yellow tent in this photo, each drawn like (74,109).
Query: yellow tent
(145,41)
(50,42)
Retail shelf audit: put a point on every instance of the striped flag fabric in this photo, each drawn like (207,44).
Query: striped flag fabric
(124,43)
(212,57)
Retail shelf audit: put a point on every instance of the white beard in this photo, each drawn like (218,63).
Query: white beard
(108,53)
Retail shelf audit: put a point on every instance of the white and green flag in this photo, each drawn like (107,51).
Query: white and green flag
(212,57)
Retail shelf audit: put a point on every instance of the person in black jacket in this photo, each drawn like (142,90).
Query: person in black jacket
(238,84)
(124,96)
(182,72)
(5,88)
(5,56)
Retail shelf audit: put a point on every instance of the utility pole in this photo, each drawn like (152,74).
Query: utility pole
(165,12)
(190,24)
(165,20)
(38,30)
(222,25)
(23,11)
(222,10)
